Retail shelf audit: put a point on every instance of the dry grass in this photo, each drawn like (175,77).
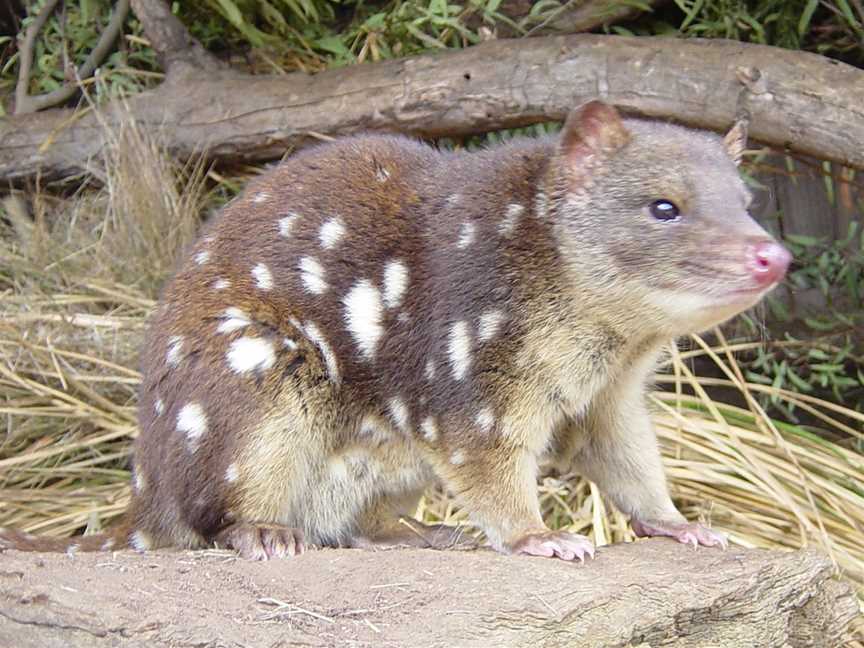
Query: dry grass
(79,279)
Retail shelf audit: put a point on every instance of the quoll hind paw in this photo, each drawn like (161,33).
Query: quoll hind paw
(262,541)
(690,533)
(554,544)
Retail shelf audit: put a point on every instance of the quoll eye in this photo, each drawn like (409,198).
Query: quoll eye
(664,210)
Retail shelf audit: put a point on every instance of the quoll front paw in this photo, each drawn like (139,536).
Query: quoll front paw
(685,532)
(262,541)
(557,544)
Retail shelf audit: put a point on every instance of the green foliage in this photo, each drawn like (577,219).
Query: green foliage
(67,39)
(316,34)
(339,32)
(830,27)
(827,357)
(814,367)
(836,269)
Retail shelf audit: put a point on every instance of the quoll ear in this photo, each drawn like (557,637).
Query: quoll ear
(735,141)
(592,128)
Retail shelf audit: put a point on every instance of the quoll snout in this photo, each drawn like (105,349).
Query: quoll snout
(768,262)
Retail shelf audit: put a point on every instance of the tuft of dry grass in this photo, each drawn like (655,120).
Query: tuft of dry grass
(79,278)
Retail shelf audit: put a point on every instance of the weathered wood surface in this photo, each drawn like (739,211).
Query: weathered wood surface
(654,592)
(804,101)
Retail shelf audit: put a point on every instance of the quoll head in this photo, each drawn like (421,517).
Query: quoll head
(660,212)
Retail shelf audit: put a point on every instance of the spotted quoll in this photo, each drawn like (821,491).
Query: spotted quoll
(374,315)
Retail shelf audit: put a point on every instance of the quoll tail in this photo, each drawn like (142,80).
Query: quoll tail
(117,538)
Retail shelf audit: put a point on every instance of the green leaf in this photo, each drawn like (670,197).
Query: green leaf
(757,378)
(803,239)
(847,14)
(818,325)
(806,16)
(425,38)
(690,13)
(334,45)
(827,367)
(799,382)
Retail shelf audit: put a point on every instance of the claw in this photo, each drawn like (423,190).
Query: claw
(559,544)
(262,541)
(689,533)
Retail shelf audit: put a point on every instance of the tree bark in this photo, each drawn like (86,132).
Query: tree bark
(804,101)
(654,592)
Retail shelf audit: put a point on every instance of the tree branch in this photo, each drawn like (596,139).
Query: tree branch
(798,100)
(25,54)
(24,103)
(176,50)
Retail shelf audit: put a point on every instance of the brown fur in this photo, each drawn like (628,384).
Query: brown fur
(550,234)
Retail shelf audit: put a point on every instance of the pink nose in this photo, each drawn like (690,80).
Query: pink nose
(769,262)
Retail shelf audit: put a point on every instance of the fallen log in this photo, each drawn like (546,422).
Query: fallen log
(794,99)
(654,592)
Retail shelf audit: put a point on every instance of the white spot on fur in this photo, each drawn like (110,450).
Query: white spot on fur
(316,337)
(457,458)
(232,473)
(331,233)
(175,348)
(250,354)
(221,284)
(430,369)
(485,419)
(192,422)
(459,349)
(363,310)
(108,545)
(373,427)
(403,318)
(382,174)
(488,325)
(140,482)
(395,281)
(140,541)
(232,320)
(288,343)
(511,219)
(429,428)
(338,468)
(467,233)
(453,199)
(286,223)
(541,205)
(260,197)
(202,257)
(159,406)
(312,275)
(263,278)
(399,413)
(72,549)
